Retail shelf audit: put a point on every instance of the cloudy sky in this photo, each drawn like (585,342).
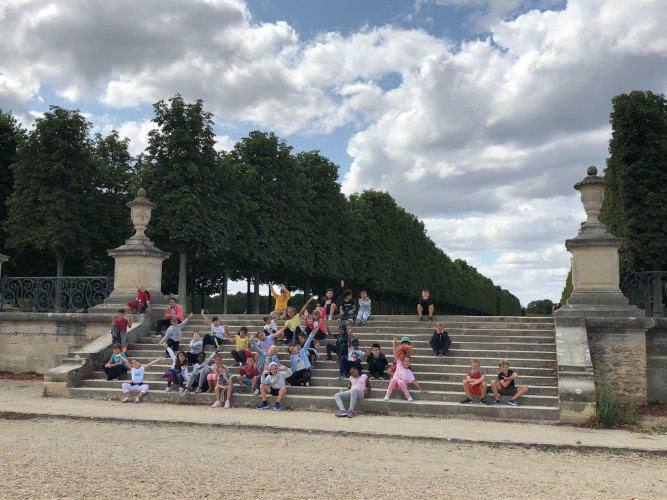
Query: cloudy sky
(478,116)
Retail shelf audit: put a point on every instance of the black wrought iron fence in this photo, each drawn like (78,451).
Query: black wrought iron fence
(648,291)
(64,294)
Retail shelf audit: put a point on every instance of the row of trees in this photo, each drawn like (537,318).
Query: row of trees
(258,212)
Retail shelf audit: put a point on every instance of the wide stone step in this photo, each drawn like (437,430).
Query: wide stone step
(400,318)
(439,389)
(375,404)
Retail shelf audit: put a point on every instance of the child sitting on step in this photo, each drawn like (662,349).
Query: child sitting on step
(475,383)
(377,362)
(137,384)
(402,377)
(359,387)
(273,382)
(119,326)
(222,384)
(199,373)
(178,373)
(249,375)
(505,386)
(117,364)
(405,349)
(196,347)
(300,363)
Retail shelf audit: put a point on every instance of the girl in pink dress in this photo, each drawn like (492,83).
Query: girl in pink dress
(402,377)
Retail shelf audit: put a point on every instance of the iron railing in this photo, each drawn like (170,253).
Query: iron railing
(64,294)
(648,291)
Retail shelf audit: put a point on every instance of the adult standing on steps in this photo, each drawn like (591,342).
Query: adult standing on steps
(425,305)
(173,311)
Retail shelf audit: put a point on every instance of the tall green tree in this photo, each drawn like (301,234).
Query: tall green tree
(179,172)
(55,192)
(636,171)
(10,136)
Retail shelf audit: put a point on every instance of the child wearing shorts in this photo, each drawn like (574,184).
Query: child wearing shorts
(505,386)
(475,383)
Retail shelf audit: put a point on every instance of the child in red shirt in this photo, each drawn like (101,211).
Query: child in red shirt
(249,375)
(119,326)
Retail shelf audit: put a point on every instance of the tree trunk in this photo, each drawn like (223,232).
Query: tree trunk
(247,298)
(224,290)
(182,282)
(256,294)
(60,269)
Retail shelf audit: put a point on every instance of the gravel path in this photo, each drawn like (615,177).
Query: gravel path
(54,458)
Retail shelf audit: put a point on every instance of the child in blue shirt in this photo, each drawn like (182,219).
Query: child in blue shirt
(117,364)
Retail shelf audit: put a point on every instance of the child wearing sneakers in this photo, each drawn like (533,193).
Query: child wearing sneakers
(364,307)
(404,349)
(249,375)
(137,384)
(475,383)
(347,307)
(217,335)
(505,386)
(223,384)
(273,382)
(117,364)
(119,326)
(402,377)
(359,387)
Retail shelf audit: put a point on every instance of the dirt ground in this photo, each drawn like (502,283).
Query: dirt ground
(61,458)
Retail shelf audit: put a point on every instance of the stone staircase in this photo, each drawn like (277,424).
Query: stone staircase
(527,343)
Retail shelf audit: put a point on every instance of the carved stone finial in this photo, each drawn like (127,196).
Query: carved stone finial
(142,192)
(140,213)
(592,170)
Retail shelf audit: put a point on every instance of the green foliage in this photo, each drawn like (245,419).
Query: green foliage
(636,172)
(567,291)
(11,135)
(539,307)
(55,199)
(611,410)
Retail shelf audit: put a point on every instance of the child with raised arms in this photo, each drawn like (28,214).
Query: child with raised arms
(178,373)
(137,385)
(217,335)
(273,382)
(402,377)
(173,336)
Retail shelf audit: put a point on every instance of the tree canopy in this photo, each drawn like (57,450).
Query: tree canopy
(636,173)
(259,212)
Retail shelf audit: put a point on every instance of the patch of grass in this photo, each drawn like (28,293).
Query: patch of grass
(611,410)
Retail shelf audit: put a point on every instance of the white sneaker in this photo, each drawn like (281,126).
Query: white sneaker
(137,400)
(126,400)
(329,318)
(167,389)
(255,392)
(409,398)
(386,397)
(180,389)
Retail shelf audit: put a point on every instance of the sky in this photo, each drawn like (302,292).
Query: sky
(478,116)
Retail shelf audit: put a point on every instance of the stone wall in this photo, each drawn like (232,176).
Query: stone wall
(618,346)
(656,361)
(40,341)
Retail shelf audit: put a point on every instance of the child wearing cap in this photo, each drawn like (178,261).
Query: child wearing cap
(405,349)
(354,355)
(173,336)
(173,310)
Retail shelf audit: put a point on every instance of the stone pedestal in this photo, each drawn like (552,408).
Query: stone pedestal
(609,333)
(138,261)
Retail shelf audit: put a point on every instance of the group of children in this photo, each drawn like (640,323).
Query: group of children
(262,373)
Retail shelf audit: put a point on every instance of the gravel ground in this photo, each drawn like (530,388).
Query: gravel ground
(60,458)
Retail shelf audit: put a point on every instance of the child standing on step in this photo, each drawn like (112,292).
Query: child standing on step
(137,384)
(359,387)
(505,386)
(119,326)
(402,377)
(475,383)
(117,364)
